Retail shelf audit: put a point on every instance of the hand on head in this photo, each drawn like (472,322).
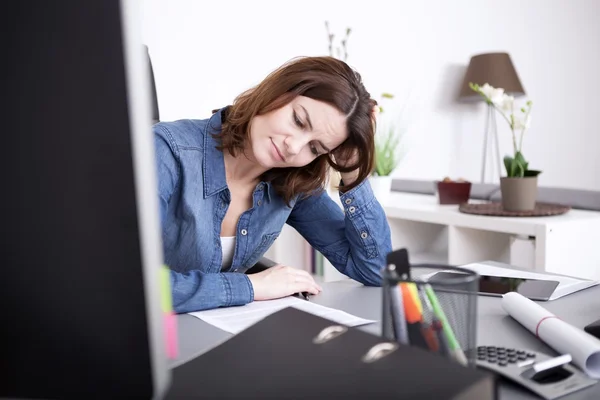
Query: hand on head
(281,281)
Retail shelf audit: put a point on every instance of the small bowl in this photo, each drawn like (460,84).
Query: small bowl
(454,192)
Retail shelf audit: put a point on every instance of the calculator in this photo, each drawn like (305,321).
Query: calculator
(547,376)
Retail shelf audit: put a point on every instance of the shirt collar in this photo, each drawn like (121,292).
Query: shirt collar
(213,164)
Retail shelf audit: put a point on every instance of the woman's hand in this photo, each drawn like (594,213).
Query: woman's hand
(281,281)
(349,177)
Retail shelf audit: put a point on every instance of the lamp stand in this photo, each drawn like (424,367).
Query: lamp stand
(491,129)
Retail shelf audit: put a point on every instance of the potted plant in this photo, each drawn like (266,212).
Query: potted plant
(519,186)
(387,151)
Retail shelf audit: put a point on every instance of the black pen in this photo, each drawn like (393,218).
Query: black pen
(303,295)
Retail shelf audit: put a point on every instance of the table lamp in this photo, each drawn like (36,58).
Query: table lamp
(497,70)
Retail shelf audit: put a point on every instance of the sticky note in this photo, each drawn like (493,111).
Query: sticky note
(170,321)
(166,298)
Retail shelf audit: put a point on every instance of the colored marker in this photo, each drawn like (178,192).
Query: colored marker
(413,318)
(453,346)
(415,294)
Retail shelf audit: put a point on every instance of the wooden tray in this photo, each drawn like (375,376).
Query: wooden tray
(495,209)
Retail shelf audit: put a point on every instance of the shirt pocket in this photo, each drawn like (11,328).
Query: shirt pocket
(265,242)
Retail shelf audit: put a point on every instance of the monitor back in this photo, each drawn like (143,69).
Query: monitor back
(79,305)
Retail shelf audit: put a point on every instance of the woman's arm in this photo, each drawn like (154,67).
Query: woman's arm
(194,290)
(356,240)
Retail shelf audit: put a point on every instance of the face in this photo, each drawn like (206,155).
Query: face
(297,133)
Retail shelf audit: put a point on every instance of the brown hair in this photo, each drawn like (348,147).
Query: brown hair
(325,79)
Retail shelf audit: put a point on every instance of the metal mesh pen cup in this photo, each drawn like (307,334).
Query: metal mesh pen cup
(432,307)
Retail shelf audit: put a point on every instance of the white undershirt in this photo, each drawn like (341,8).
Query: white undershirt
(228,246)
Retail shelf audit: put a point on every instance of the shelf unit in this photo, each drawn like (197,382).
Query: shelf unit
(433,233)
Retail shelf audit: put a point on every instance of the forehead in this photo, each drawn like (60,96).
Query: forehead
(327,121)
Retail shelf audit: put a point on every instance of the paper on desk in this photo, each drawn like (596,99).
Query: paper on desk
(566,285)
(561,336)
(236,319)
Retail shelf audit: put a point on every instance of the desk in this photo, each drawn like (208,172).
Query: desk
(494,325)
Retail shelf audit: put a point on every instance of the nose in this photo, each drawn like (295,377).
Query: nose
(294,144)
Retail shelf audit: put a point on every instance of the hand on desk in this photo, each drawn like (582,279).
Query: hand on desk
(280,281)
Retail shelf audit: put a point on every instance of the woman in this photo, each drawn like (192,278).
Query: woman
(228,184)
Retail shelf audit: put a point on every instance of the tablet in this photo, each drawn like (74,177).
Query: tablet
(534,289)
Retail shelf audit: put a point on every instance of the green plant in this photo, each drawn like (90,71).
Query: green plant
(342,48)
(516,165)
(388,138)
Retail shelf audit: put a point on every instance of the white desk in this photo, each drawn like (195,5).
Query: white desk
(565,244)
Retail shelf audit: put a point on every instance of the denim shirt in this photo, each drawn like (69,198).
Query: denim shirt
(194,198)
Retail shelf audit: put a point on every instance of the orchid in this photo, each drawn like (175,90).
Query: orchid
(516,165)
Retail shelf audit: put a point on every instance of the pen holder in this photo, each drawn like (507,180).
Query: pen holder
(432,307)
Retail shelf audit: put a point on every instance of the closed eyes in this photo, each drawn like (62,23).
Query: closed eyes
(301,125)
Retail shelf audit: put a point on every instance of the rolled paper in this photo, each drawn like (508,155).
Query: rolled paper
(556,333)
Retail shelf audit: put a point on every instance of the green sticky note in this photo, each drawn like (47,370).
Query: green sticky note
(166,299)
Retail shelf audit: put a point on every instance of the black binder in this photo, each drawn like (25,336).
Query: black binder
(292,354)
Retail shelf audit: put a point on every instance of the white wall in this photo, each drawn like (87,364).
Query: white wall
(205,53)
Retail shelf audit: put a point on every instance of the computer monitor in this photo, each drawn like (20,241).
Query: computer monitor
(80,313)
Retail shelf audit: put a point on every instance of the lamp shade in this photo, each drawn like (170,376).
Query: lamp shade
(497,70)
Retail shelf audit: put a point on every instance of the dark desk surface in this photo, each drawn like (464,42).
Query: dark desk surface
(494,325)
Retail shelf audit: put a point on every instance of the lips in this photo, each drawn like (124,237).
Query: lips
(281,157)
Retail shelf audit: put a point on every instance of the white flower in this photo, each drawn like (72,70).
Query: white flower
(520,123)
(507,103)
(493,94)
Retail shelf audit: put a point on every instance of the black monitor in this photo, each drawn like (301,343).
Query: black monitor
(80,313)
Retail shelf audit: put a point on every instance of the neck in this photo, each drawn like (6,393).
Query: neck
(242,169)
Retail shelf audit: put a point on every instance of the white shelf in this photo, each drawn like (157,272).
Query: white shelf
(425,208)
(434,233)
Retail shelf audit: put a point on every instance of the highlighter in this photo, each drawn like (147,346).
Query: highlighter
(413,317)
(453,346)
(415,293)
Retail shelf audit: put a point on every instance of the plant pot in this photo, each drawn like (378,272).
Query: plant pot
(519,194)
(382,187)
(453,192)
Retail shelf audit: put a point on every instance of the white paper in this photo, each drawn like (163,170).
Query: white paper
(566,285)
(561,336)
(236,319)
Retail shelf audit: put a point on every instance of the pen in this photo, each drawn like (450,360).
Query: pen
(429,332)
(303,295)
(398,317)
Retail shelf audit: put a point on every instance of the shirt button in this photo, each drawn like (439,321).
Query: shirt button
(348,201)
(244,232)
(364,235)
(259,202)
(352,209)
